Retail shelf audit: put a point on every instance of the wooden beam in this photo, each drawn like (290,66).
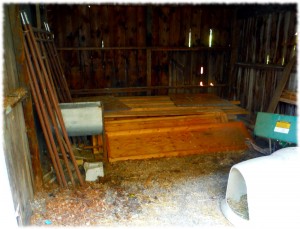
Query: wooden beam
(261,66)
(281,85)
(157,48)
(234,50)
(149,70)
(136,89)
(27,105)
(38,16)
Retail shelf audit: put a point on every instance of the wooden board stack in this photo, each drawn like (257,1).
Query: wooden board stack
(155,127)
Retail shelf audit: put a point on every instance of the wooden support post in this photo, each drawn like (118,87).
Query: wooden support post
(149,70)
(38,16)
(27,104)
(234,52)
(33,144)
(281,85)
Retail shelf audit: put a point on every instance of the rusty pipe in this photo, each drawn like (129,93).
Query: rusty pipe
(49,69)
(44,120)
(62,77)
(36,57)
(55,104)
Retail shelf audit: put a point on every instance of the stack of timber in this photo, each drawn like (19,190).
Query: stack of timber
(159,106)
(289,97)
(155,127)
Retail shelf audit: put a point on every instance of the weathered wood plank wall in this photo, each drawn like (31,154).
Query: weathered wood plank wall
(266,44)
(138,27)
(16,147)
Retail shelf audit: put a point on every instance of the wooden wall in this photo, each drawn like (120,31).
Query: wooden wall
(266,44)
(16,147)
(140,27)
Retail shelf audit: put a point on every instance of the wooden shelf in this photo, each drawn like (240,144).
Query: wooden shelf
(138,89)
(289,97)
(260,66)
(161,48)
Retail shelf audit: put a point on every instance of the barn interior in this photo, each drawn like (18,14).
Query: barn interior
(133,114)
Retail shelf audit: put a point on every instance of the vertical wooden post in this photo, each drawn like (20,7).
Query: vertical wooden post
(234,50)
(149,70)
(27,105)
(141,42)
(38,16)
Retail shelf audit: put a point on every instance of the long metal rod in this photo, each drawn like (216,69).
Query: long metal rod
(54,101)
(46,40)
(46,60)
(45,131)
(54,80)
(56,64)
(38,62)
(62,76)
(44,120)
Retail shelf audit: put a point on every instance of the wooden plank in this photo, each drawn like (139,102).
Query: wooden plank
(138,89)
(110,103)
(141,62)
(131,40)
(97,144)
(156,48)
(260,66)
(174,40)
(149,70)
(154,106)
(178,142)
(289,101)
(196,26)
(169,112)
(163,122)
(143,98)
(185,100)
(19,94)
(281,85)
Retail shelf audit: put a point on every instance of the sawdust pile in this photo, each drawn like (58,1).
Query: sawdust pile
(184,191)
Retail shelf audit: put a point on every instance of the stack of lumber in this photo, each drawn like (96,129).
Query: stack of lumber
(289,97)
(158,106)
(173,136)
(155,126)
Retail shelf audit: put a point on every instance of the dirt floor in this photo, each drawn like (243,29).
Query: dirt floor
(179,191)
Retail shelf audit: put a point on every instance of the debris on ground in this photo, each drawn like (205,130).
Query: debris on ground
(177,191)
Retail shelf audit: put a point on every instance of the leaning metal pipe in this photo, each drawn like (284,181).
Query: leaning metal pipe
(50,46)
(38,62)
(44,128)
(41,42)
(56,108)
(46,37)
(62,75)
(56,70)
(46,62)
(44,120)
